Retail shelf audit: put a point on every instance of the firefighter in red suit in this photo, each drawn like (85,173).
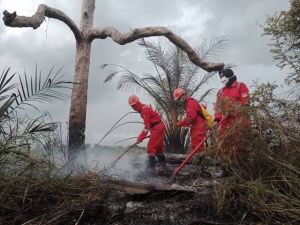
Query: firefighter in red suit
(230,112)
(193,118)
(154,124)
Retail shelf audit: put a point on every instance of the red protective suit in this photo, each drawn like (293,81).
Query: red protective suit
(228,110)
(195,122)
(152,122)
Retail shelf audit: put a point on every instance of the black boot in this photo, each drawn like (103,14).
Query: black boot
(162,164)
(151,164)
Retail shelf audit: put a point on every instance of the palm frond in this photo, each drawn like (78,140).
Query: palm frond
(5,95)
(114,73)
(35,89)
(212,47)
(103,66)
(195,87)
(115,124)
(156,53)
(131,81)
(178,65)
(5,84)
(36,126)
(111,75)
(171,62)
(174,69)
(191,76)
(159,57)
(156,84)
(4,107)
(205,94)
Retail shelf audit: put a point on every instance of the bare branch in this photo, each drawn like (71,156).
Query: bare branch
(12,20)
(124,38)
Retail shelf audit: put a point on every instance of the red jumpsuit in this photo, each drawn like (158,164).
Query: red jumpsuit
(228,107)
(152,122)
(195,122)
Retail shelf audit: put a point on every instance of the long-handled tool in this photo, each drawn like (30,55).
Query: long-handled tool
(120,156)
(128,139)
(188,158)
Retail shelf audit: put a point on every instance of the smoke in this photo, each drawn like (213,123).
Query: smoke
(99,160)
(129,167)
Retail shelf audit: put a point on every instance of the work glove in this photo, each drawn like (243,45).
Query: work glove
(142,136)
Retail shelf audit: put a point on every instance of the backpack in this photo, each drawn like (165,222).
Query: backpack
(209,120)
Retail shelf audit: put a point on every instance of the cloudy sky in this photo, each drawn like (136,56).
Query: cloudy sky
(53,44)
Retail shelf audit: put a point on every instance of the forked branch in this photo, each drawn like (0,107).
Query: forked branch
(13,20)
(124,38)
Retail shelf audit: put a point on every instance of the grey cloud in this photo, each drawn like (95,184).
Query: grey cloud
(236,19)
(142,13)
(240,22)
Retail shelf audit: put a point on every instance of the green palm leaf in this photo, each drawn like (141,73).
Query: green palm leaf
(5,83)
(37,89)
(173,70)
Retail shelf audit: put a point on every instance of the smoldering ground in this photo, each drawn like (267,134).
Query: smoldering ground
(128,167)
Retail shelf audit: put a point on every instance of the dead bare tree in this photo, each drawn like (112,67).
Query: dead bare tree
(84,36)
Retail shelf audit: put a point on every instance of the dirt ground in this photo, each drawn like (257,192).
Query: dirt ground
(152,199)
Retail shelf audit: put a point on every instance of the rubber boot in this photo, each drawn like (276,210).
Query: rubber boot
(162,164)
(151,165)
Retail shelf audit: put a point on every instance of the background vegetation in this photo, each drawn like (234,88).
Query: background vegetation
(264,180)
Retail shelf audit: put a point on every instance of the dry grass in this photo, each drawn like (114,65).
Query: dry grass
(265,185)
(38,194)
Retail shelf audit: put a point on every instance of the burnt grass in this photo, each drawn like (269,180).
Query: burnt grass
(190,201)
(94,199)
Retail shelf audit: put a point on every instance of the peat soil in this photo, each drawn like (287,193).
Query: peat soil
(157,199)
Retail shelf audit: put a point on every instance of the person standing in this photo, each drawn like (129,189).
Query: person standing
(230,112)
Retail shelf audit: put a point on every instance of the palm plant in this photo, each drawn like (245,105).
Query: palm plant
(173,70)
(18,130)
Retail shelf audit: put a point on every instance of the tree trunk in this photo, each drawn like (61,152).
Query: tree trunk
(176,141)
(77,118)
(175,145)
(84,36)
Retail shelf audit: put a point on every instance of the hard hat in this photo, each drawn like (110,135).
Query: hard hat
(132,100)
(177,93)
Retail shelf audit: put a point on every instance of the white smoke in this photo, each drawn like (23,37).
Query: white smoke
(128,167)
